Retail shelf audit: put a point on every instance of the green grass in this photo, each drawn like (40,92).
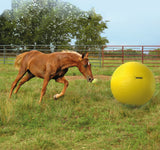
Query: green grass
(87,117)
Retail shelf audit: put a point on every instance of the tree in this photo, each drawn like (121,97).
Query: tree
(51,21)
(44,25)
(52,30)
(90,26)
(28,24)
(7,28)
(57,26)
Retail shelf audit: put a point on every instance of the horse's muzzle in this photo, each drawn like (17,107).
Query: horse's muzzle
(89,79)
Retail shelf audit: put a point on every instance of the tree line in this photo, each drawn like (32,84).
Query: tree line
(59,24)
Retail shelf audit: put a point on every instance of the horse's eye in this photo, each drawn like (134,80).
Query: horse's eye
(86,65)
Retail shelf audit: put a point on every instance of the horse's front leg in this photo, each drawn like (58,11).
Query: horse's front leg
(45,83)
(65,82)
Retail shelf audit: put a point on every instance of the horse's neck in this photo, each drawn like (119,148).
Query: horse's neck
(71,62)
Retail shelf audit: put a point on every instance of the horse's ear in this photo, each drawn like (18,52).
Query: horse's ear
(85,55)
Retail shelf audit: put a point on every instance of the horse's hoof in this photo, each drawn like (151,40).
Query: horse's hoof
(55,97)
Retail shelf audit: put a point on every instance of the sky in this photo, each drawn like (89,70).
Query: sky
(131,22)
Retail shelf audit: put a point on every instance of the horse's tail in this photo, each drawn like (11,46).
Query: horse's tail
(19,60)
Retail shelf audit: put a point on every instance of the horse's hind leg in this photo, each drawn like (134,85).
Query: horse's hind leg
(65,82)
(26,78)
(14,84)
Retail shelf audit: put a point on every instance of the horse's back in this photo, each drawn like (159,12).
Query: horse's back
(33,54)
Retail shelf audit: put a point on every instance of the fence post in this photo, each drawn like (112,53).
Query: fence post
(142,54)
(102,56)
(4,55)
(122,54)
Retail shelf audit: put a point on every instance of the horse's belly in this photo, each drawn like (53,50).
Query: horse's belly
(59,74)
(38,70)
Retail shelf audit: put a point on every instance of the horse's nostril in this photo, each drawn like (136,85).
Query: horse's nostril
(90,79)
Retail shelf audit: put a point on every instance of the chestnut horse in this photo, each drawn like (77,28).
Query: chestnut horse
(49,66)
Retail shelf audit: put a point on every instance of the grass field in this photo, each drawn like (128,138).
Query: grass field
(86,118)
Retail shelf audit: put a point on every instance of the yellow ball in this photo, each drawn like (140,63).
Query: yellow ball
(95,81)
(133,83)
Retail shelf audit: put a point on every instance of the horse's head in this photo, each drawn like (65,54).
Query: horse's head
(85,67)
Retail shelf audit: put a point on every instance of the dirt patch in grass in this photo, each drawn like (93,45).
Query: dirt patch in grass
(102,77)
(157,78)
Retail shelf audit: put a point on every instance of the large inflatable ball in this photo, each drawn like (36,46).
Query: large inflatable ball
(133,83)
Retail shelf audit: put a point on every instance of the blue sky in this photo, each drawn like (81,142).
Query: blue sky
(131,21)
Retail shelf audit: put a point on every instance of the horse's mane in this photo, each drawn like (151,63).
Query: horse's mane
(73,52)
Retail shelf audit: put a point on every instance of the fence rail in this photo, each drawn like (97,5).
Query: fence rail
(100,56)
(9,52)
(114,55)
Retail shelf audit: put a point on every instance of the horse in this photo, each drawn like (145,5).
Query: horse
(49,66)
